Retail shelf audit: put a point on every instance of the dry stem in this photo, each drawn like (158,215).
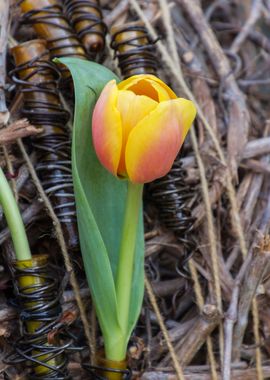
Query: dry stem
(154,304)
(4,27)
(17,130)
(251,282)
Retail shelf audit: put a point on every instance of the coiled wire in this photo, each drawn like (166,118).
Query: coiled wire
(37,79)
(37,291)
(96,370)
(171,195)
(48,19)
(134,50)
(86,18)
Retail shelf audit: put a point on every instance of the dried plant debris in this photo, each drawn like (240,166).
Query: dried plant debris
(206,311)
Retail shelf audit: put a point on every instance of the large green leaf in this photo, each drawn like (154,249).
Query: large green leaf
(100,202)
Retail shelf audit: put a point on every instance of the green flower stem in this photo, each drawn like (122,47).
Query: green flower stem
(124,274)
(14,220)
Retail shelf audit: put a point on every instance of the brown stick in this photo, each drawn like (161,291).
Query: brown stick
(237,374)
(225,278)
(255,13)
(215,193)
(167,288)
(237,108)
(251,282)
(154,304)
(188,346)
(253,148)
(69,295)
(18,129)
(256,166)
(230,319)
(257,147)
(4,22)
(157,243)
(254,35)
(118,11)
(251,200)
(158,346)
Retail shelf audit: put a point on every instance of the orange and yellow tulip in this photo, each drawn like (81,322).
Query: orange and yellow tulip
(139,126)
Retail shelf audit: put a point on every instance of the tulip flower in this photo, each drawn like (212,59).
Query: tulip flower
(139,126)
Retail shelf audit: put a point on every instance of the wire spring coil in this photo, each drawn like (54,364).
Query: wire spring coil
(48,19)
(134,50)
(37,79)
(95,370)
(38,294)
(86,18)
(171,194)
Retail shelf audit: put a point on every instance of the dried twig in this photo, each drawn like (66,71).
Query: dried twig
(257,147)
(4,27)
(251,282)
(230,319)
(256,166)
(17,130)
(237,374)
(116,12)
(256,331)
(200,302)
(154,304)
(187,347)
(237,108)
(255,12)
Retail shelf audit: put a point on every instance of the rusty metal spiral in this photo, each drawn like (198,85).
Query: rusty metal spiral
(134,50)
(37,79)
(101,372)
(49,22)
(171,195)
(86,18)
(40,347)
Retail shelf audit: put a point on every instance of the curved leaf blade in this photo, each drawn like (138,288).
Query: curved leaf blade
(100,203)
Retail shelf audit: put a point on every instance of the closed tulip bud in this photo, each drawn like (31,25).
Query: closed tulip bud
(139,126)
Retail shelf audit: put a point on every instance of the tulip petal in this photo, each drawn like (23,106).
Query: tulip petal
(162,92)
(107,128)
(155,141)
(132,108)
(148,85)
(186,113)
